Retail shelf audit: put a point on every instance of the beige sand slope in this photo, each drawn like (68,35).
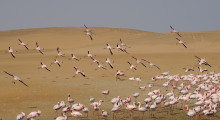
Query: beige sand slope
(47,88)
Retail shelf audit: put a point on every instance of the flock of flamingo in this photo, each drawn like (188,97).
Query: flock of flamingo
(198,94)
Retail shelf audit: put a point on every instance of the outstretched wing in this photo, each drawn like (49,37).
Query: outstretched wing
(111,51)
(23,83)
(134,57)
(184,45)
(143,64)
(9,74)
(37,44)
(157,67)
(85,26)
(208,64)
(41,52)
(12,54)
(26,47)
(178,39)
(146,60)
(178,34)
(20,41)
(197,57)
(171,27)
(90,37)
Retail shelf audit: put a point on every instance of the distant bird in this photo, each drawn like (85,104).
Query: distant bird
(109,62)
(104,113)
(20,116)
(70,100)
(122,49)
(88,32)
(138,61)
(59,53)
(181,42)
(203,61)
(106,92)
(90,55)
(44,66)
(33,115)
(142,88)
(63,117)
(74,57)
(122,43)
(38,48)
(56,62)
(12,52)
(22,43)
(151,64)
(100,65)
(16,78)
(76,114)
(174,31)
(202,70)
(119,73)
(91,99)
(165,73)
(132,66)
(110,48)
(78,71)
(188,69)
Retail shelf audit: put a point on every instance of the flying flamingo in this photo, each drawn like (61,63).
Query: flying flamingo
(202,70)
(188,69)
(38,48)
(151,64)
(110,48)
(59,53)
(16,78)
(12,52)
(122,49)
(181,42)
(22,43)
(109,62)
(44,66)
(74,57)
(100,65)
(78,71)
(88,32)
(174,31)
(122,43)
(90,56)
(34,114)
(56,62)
(132,66)
(20,116)
(138,61)
(203,61)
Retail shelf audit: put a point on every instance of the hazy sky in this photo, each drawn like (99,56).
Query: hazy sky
(148,15)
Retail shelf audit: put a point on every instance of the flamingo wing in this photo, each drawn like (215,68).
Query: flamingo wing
(110,65)
(20,41)
(184,45)
(82,74)
(146,60)
(85,26)
(157,67)
(37,44)
(171,27)
(47,68)
(9,74)
(197,57)
(41,52)
(12,54)
(178,39)
(111,51)
(26,47)
(208,64)
(143,64)
(178,34)
(90,37)
(23,83)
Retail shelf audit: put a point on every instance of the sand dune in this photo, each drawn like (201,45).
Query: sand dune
(47,88)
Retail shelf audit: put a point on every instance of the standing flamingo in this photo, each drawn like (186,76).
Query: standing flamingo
(20,116)
(76,114)
(142,109)
(33,115)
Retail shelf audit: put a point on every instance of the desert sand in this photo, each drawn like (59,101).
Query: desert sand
(47,88)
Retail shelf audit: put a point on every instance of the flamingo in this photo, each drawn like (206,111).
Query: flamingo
(132,66)
(100,65)
(56,62)
(74,57)
(91,99)
(59,53)
(190,112)
(90,56)
(110,48)
(20,116)
(106,92)
(34,114)
(130,108)
(69,99)
(142,88)
(63,117)
(78,71)
(142,109)
(122,43)
(136,95)
(44,66)
(85,110)
(57,107)
(22,43)
(104,113)
(16,78)
(188,69)
(119,73)
(138,61)
(203,61)
(174,31)
(88,32)
(38,48)
(151,64)
(109,62)
(76,114)
(115,110)
(181,42)
(202,70)
(122,49)
(12,52)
